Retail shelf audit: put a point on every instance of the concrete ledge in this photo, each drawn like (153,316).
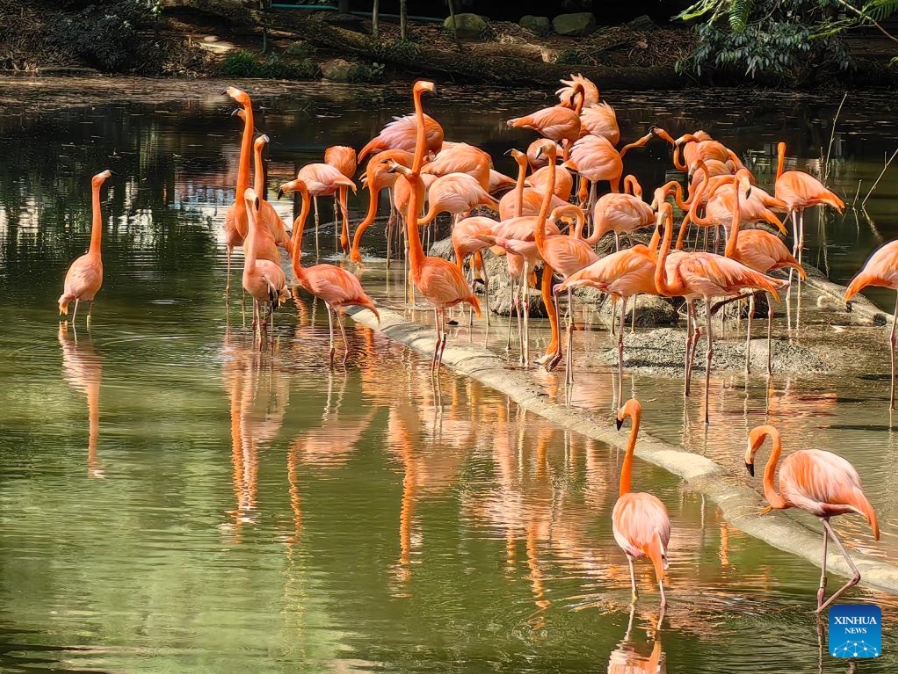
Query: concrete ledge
(739,503)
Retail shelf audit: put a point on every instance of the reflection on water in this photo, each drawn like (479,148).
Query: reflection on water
(261,512)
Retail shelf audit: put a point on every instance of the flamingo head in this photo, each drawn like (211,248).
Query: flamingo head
(422,86)
(548,148)
(297,185)
(685,138)
(518,156)
(238,95)
(756,438)
(101,177)
(743,179)
(252,199)
(261,141)
(658,132)
(394,166)
(632,408)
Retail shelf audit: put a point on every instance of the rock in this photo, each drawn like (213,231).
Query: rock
(336,70)
(468,26)
(442,248)
(642,23)
(299,48)
(651,310)
(536,24)
(500,302)
(210,38)
(574,25)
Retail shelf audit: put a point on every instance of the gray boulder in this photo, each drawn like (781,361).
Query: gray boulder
(577,24)
(468,26)
(536,24)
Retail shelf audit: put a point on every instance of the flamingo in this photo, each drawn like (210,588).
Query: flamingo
(600,120)
(565,255)
(525,201)
(267,246)
(700,145)
(235,224)
(818,482)
(342,158)
(758,250)
(881,270)
(462,158)
(557,123)
(333,285)
(702,275)
(456,193)
(799,191)
(623,274)
(564,182)
(85,275)
(595,158)
(465,242)
(499,182)
(400,134)
(322,180)
(534,161)
(639,520)
(377,177)
(441,282)
(568,92)
(264,280)
(620,213)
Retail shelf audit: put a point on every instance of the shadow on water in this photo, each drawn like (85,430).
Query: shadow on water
(262,512)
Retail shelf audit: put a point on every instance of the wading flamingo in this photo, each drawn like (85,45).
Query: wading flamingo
(620,213)
(639,520)
(322,180)
(378,177)
(799,191)
(342,158)
(818,482)
(264,280)
(461,158)
(881,270)
(268,217)
(456,193)
(334,286)
(624,274)
(465,242)
(758,250)
(401,134)
(441,282)
(85,276)
(595,159)
(706,276)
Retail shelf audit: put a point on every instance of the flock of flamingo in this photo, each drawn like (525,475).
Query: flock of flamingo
(538,225)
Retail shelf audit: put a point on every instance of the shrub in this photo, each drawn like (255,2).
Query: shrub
(247,64)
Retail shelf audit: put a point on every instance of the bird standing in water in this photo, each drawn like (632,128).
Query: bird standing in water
(85,276)
(639,520)
(818,482)
(881,270)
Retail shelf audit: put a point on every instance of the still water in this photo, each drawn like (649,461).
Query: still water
(172,501)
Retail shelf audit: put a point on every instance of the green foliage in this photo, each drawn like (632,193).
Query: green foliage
(248,64)
(112,36)
(880,9)
(789,38)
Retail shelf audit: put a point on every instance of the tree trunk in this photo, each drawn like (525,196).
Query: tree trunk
(403,20)
(375,12)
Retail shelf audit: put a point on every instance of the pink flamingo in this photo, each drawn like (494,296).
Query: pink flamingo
(818,482)
(264,280)
(568,93)
(440,281)
(334,286)
(342,158)
(702,275)
(85,275)
(322,180)
(881,270)
(557,123)
(400,135)
(620,213)
(639,520)
(461,158)
(456,193)
(378,177)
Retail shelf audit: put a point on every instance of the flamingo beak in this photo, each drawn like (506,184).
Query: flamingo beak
(619,422)
(280,192)
(751,468)
(235,111)
(113,173)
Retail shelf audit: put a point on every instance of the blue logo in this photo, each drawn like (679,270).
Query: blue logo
(855,631)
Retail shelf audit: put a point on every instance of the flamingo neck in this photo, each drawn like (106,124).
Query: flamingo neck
(777,502)
(638,143)
(298,226)
(781,159)
(730,250)
(259,181)
(663,285)
(627,467)
(519,187)
(246,151)
(416,249)
(249,244)
(579,101)
(540,229)
(96,228)
(677,160)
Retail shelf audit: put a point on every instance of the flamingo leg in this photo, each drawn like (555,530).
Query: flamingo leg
(821,592)
(343,334)
(769,335)
(800,234)
(663,600)
(751,313)
(228,278)
(552,311)
(90,310)
(633,315)
(486,294)
(569,363)
(620,356)
(856,575)
(330,323)
(445,334)
(75,312)
(891,352)
(436,346)
(635,594)
(556,336)
(317,222)
(708,357)
(511,311)
(525,304)
(616,242)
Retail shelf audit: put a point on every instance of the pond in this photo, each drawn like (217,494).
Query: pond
(174,501)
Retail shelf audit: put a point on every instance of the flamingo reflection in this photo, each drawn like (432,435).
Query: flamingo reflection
(258,394)
(83,370)
(625,659)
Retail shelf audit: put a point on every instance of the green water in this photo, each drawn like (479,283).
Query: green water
(173,501)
